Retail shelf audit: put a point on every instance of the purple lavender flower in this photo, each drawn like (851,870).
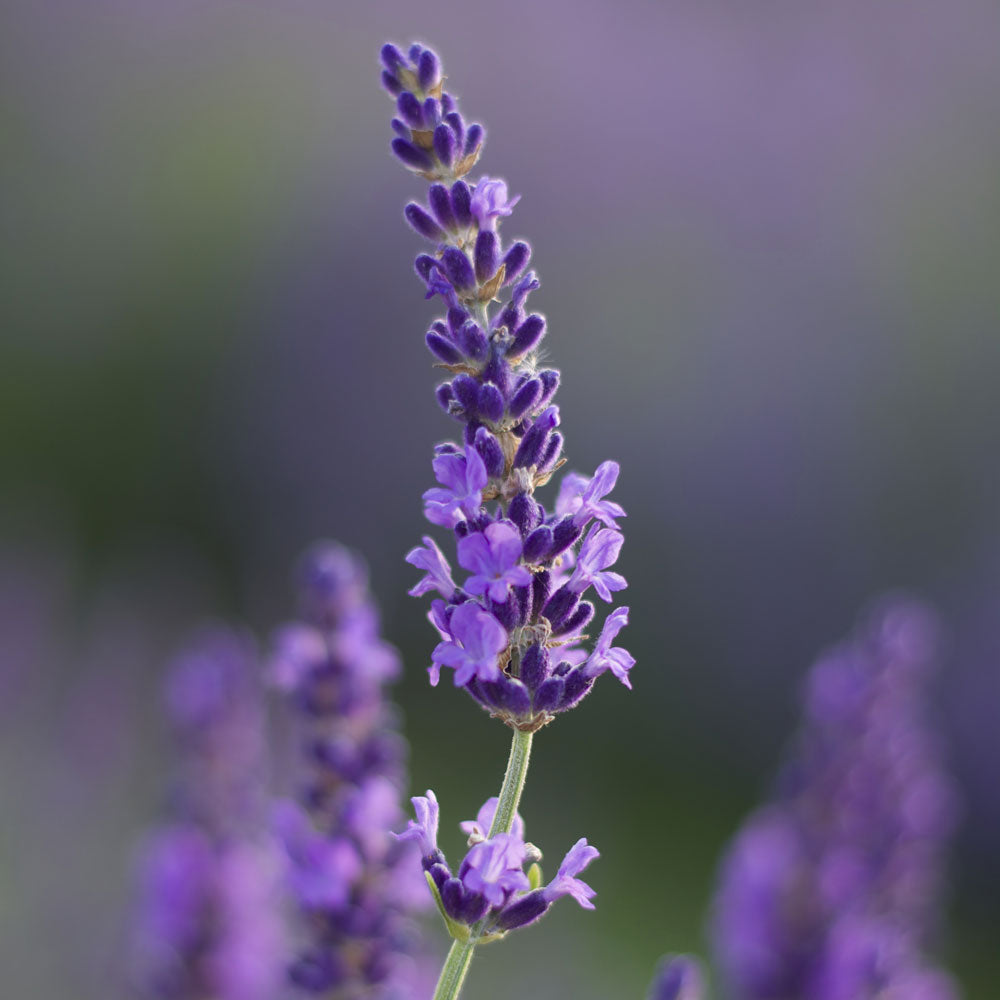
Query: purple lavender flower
(679,977)
(356,886)
(829,891)
(505,632)
(431,559)
(209,910)
(463,479)
(492,891)
(492,556)
(477,639)
(490,202)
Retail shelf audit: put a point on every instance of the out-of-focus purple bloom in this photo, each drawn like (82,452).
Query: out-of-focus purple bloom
(679,977)
(463,479)
(322,868)
(438,573)
(355,884)
(830,890)
(492,888)
(520,592)
(490,202)
(584,498)
(477,640)
(599,551)
(208,920)
(492,557)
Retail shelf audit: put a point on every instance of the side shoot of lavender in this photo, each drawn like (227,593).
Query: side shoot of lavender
(513,630)
(831,891)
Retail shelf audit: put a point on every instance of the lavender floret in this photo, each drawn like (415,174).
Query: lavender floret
(830,890)
(531,567)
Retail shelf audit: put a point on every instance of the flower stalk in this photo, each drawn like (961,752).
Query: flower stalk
(513,630)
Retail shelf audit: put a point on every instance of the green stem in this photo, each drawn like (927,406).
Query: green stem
(513,783)
(456,965)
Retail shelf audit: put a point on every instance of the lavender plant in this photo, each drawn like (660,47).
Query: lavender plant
(830,892)
(513,631)
(209,918)
(356,887)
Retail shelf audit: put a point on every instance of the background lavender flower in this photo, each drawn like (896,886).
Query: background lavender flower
(356,887)
(513,630)
(832,891)
(209,916)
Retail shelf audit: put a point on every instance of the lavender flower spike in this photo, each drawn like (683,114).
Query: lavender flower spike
(829,891)
(208,917)
(514,631)
(506,630)
(356,886)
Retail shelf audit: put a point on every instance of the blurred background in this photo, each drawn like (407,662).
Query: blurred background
(768,238)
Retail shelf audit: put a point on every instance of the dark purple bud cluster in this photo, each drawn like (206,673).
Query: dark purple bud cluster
(432,138)
(497,887)
(355,884)
(830,891)
(208,919)
(514,631)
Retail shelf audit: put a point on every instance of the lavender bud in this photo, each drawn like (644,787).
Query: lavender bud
(458,269)
(466,390)
(560,606)
(444,396)
(578,620)
(525,512)
(490,451)
(550,382)
(534,666)
(461,203)
(429,70)
(537,544)
(391,84)
(440,200)
(515,261)
(525,398)
(490,402)
(422,222)
(454,121)
(564,534)
(549,694)
(411,156)
(473,341)
(474,139)
(527,336)
(391,57)
(442,348)
(486,255)
(410,110)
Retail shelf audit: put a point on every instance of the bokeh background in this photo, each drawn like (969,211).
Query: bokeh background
(768,237)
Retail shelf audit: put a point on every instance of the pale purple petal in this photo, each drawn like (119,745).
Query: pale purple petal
(438,573)
(566,883)
(424,829)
